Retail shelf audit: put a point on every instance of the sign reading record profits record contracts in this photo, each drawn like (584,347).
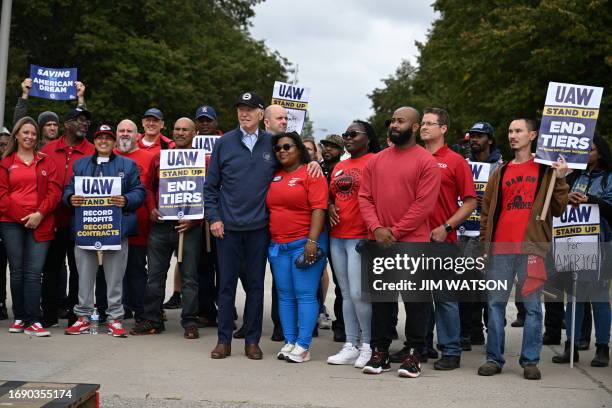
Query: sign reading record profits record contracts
(295,99)
(97,221)
(181,184)
(568,124)
(53,83)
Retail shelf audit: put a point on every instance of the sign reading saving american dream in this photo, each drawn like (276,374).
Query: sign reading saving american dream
(295,99)
(480,173)
(568,124)
(181,184)
(576,239)
(53,83)
(97,221)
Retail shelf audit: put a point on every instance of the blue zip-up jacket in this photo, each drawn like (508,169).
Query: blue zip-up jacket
(131,188)
(237,182)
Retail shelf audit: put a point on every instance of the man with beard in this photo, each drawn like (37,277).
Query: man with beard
(399,215)
(152,139)
(64,152)
(135,280)
(163,241)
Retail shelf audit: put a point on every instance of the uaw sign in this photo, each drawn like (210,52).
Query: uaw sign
(53,83)
(97,221)
(568,124)
(576,239)
(295,99)
(480,173)
(181,184)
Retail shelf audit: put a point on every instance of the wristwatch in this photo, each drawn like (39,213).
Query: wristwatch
(448,227)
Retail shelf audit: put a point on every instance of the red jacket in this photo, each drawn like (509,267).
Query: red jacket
(162,142)
(64,156)
(49,193)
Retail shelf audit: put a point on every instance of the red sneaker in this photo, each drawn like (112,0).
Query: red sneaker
(116,329)
(37,330)
(79,327)
(17,327)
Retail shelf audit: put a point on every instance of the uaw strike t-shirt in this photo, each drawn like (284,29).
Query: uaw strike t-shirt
(344,189)
(518,193)
(290,200)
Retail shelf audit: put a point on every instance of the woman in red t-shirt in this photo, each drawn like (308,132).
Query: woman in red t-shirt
(29,191)
(348,228)
(297,204)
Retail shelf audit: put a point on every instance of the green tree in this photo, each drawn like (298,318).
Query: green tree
(175,55)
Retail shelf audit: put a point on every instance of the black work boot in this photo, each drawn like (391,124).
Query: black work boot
(565,357)
(602,356)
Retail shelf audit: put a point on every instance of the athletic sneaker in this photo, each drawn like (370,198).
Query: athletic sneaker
(284,351)
(347,355)
(378,363)
(79,327)
(411,367)
(37,330)
(17,327)
(298,355)
(324,321)
(144,327)
(115,328)
(365,354)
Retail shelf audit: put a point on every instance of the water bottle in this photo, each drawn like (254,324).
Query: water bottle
(93,321)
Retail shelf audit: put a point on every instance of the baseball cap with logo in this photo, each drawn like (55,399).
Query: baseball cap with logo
(333,140)
(105,129)
(5,131)
(250,99)
(154,112)
(75,113)
(482,127)
(206,112)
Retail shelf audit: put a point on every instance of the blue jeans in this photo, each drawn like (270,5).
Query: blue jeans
(297,291)
(357,313)
(26,258)
(601,312)
(505,267)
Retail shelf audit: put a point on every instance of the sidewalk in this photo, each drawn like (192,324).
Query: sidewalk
(168,371)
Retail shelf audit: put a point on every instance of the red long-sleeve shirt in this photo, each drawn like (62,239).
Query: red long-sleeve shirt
(399,190)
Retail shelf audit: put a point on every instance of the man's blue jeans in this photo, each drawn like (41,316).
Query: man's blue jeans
(504,267)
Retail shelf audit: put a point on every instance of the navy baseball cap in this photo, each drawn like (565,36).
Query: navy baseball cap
(206,112)
(250,99)
(75,113)
(156,113)
(105,129)
(482,127)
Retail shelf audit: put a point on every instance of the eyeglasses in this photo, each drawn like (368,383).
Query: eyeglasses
(286,147)
(351,134)
(428,124)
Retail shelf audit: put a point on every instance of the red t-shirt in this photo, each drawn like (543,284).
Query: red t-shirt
(291,199)
(23,190)
(156,146)
(344,189)
(457,182)
(518,193)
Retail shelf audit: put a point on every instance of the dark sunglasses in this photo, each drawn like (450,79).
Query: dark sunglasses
(286,147)
(351,134)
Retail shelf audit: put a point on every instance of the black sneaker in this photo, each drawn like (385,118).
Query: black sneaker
(378,363)
(3,312)
(519,322)
(174,302)
(411,367)
(489,368)
(447,363)
(399,356)
(339,335)
(146,327)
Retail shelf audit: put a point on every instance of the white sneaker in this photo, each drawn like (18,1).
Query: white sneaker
(365,353)
(347,355)
(324,321)
(298,355)
(284,352)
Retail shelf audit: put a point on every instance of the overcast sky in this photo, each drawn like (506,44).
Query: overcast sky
(343,48)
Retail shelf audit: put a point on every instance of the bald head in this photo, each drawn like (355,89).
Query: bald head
(127,133)
(183,133)
(408,112)
(275,119)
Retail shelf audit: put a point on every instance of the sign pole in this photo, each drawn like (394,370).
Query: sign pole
(100,257)
(551,187)
(179,255)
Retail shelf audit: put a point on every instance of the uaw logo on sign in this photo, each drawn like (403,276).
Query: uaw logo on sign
(576,237)
(295,99)
(480,174)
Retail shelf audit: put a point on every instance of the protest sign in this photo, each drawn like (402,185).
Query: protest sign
(568,123)
(480,174)
(53,83)
(181,184)
(97,221)
(576,239)
(205,142)
(295,99)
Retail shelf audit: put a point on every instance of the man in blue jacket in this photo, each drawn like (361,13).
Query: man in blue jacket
(104,163)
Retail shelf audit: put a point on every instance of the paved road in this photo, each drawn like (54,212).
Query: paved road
(168,371)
